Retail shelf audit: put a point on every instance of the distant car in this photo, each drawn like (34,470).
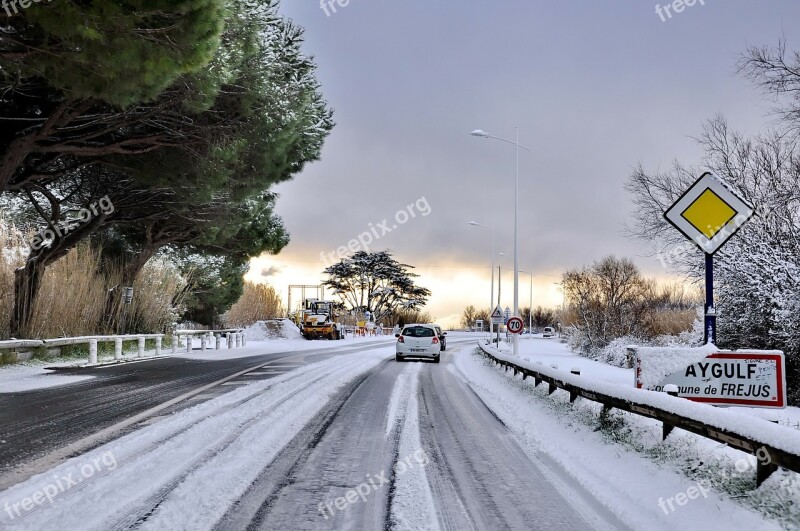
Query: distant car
(441,335)
(418,341)
(548,331)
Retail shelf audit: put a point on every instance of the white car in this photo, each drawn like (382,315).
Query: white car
(418,341)
(548,332)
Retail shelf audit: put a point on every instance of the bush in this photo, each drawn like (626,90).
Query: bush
(73,295)
(258,302)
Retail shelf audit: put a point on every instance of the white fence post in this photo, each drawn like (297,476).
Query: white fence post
(238,339)
(203,341)
(141,347)
(92,351)
(158,346)
(188,342)
(229,337)
(117,348)
(218,340)
(244,340)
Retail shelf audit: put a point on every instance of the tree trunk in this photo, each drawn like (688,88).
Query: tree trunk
(113,309)
(27,281)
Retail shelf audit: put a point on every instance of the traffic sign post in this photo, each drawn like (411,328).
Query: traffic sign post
(497,319)
(497,316)
(515,325)
(709,213)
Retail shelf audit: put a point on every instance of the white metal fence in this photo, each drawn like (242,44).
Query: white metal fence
(208,339)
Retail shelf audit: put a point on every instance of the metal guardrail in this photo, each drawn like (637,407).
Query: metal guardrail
(651,404)
(92,341)
(234,336)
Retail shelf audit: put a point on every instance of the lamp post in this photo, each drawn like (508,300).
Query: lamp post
(530,305)
(530,312)
(491,296)
(483,134)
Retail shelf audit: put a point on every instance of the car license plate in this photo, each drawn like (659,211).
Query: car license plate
(417,350)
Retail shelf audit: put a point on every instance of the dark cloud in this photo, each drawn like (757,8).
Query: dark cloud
(270,271)
(595,87)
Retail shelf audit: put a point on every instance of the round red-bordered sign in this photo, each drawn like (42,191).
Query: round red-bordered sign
(515,325)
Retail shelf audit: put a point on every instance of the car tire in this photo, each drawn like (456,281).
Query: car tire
(437,358)
(398,357)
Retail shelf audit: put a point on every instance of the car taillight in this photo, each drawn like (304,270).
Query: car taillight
(435,340)
(400,339)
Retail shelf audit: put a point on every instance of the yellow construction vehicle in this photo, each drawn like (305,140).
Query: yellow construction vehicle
(317,320)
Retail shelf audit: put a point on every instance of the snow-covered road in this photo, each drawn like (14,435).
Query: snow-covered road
(359,441)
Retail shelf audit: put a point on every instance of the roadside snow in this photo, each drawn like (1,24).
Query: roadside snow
(273,329)
(20,378)
(745,425)
(640,492)
(550,352)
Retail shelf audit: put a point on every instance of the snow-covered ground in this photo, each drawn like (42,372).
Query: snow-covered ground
(193,468)
(32,375)
(550,351)
(625,462)
(18,378)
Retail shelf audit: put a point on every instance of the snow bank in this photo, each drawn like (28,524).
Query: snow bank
(757,429)
(272,329)
(565,438)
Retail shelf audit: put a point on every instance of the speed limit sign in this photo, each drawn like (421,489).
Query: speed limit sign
(515,325)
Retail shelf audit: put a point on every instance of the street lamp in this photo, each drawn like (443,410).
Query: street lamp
(530,308)
(530,313)
(483,134)
(491,297)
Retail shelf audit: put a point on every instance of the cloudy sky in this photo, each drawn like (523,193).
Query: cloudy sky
(595,87)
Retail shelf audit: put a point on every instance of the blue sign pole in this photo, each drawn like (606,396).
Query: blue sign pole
(710,328)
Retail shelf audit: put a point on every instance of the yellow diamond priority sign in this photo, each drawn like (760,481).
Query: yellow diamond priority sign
(709,213)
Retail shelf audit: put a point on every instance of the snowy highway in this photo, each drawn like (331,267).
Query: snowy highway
(354,441)
(329,436)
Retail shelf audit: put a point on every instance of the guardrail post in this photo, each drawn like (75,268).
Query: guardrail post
(158,346)
(175,340)
(237,339)
(203,341)
(117,348)
(92,351)
(141,347)
(764,469)
(244,340)
(218,340)
(188,342)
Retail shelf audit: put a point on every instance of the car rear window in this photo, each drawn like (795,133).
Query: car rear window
(418,331)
